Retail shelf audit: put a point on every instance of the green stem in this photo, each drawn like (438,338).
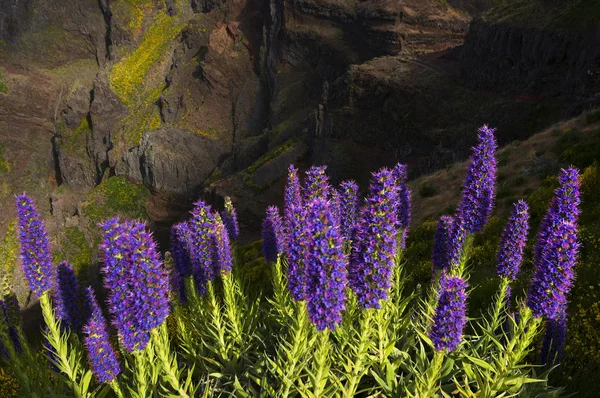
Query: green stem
(231,307)
(168,359)
(61,347)
(499,305)
(298,336)
(217,321)
(432,376)
(141,373)
(116,387)
(321,375)
(362,350)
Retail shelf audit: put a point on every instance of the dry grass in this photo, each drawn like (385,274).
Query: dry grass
(521,167)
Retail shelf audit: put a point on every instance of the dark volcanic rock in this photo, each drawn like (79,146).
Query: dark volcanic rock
(106,112)
(14,15)
(173,160)
(546,63)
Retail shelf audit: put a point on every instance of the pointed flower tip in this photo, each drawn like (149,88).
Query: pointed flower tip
(513,242)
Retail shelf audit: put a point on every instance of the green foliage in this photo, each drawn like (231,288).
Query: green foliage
(577,148)
(540,199)
(3,85)
(9,257)
(75,249)
(5,166)
(114,196)
(127,77)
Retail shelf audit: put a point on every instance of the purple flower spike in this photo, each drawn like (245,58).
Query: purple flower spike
(103,359)
(137,281)
(229,217)
(182,266)
(223,261)
(564,206)
(450,314)
(441,255)
(67,300)
(273,235)
(35,247)
(202,245)
(400,173)
(297,251)
(374,243)
(479,189)
(326,265)
(292,195)
(554,339)
(349,206)
(513,242)
(316,183)
(554,274)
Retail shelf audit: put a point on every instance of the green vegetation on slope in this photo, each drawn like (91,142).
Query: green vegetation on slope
(9,256)
(5,166)
(3,85)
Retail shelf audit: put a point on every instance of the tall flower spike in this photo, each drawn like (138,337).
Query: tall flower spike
(35,247)
(103,359)
(326,266)
(554,339)
(564,206)
(479,189)
(316,183)
(67,301)
(229,217)
(297,251)
(223,261)
(273,235)
(137,281)
(456,241)
(349,206)
(554,274)
(375,244)
(513,242)
(292,195)
(441,255)
(202,245)
(450,314)
(180,241)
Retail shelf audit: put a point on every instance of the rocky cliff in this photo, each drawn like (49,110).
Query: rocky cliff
(138,107)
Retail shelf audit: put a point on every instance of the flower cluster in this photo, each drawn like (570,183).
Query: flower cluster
(514,239)
(440,258)
(554,274)
(374,243)
(349,206)
(136,279)
(66,297)
(479,189)
(180,238)
(202,252)
(222,259)
(448,243)
(229,217)
(292,195)
(35,247)
(273,235)
(450,314)
(102,356)
(316,184)
(326,266)
(296,251)
(564,206)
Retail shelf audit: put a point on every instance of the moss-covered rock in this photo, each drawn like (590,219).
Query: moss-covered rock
(5,166)
(115,196)
(9,257)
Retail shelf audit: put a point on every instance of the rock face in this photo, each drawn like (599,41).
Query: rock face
(514,59)
(173,160)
